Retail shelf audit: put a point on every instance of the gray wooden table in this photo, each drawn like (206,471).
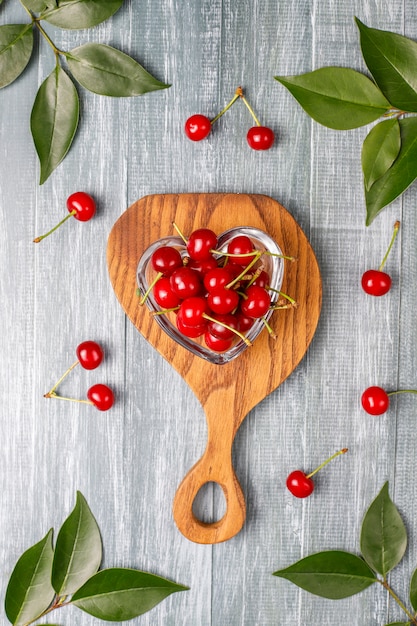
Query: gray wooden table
(129,461)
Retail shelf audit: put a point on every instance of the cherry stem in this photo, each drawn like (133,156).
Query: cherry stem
(251,111)
(38,239)
(237,332)
(343,451)
(394,235)
(52,394)
(180,233)
(238,94)
(393,393)
(269,328)
(257,256)
(149,289)
(284,295)
(52,391)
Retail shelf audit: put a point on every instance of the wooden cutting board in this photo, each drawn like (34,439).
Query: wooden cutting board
(229,391)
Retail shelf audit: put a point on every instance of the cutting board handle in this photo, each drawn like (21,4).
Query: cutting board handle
(214,466)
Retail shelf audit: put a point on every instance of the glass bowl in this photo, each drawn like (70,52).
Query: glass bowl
(274,265)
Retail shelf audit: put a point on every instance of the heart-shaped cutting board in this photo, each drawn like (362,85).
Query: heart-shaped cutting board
(229,391)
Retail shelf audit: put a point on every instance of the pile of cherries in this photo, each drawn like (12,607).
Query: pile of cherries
(215,295)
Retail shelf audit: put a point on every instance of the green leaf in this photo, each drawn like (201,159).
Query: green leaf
(16,44)
(333,574)
(392,61)
(399,176)
(380,149)
(35,5)
(413,590)
(119,594)
(29,591)
(383,534)
(73,14)
(337,97)
(110,72)
(78,549)
(54,120)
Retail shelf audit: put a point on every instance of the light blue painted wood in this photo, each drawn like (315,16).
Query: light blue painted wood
(128,462)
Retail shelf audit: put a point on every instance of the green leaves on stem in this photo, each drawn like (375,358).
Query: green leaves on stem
(47,578)
(336,574)
(99,68)
(342,99)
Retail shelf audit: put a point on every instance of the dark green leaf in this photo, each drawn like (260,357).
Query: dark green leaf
(109,72)
(392,61)
(383,534)
(413,590)
(399,176)
(380,149)
(119,594)
(337,97)
(333,574)
(16,44)
(29,591)
(54,120)
(82,13)
(78,549)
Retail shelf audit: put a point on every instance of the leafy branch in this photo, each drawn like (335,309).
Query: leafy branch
(47,578)
(342,99)
(336,574)
(99,68)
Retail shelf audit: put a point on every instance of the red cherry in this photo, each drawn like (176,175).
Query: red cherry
(101,396)
(197,127)
(375,400)
(300,485)
(218,277)
(200,244)
(262,280)
(223,300)
(166,259)
(185,282)
(190,331)
(163,294)
(377,282)
(202,267)
(223,326)
(90,354)
(257,302)
(245,322)
(192,311)
(80,205)
(216,344)
(260,137)
(240,245)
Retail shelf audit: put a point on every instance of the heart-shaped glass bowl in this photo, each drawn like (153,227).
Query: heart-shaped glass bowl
(272,263)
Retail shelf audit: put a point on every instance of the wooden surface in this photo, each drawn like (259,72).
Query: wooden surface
(227,392)
(128,462)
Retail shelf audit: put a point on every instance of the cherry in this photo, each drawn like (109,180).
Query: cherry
(101,396)
(260,137)
(223,326)
(240,245)
(218,277)
(300,484)
(80,205)
(256,302)
(166,259)
(90,354)
(217,344)
(185,282)
(202,267)
(163,294)
(197,127)
(192,311)
(222,300)
(190,331)
(377,282)
(245,322)
(375,400)
(201,243)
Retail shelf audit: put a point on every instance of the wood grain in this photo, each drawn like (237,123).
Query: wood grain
(229,391)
